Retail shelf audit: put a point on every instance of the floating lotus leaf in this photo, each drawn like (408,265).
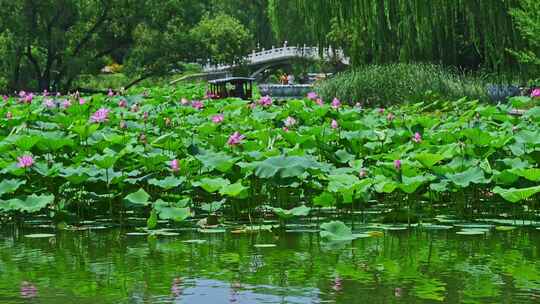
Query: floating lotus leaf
(505,228)
(472,232)
(264,245)
(286,214)
(213,230)
(39,235)
(173,213)
(336,231)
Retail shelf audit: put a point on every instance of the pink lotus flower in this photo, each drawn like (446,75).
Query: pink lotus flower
(82,101)
(381,110)
(334,124)
(142,138)
(135,108)
(123,124)
(285,129)
(122,103)
(28,290)
(197,105)
(209,95)
(100,115)
(28,98)
(111,93)
(5,98)
(336,103)
(66,104)
(289,121)
(252,105)
(417,138)
(22,94)
(265,101)
(535,93)
(176,287)
(337,284)
(9,115)
(25,161)
(235,139)
(145,116)
(217,119)
(397,164)
(319,101)
(312,95)
(390,117)
(363,173)
(184,101)
(48,103)
(175,165)
(45,93)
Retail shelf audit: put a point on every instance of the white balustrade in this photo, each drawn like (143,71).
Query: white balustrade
(285,52)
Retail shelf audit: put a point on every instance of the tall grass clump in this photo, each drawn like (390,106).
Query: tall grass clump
(400,83)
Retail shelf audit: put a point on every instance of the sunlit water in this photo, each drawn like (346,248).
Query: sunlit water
(107,266)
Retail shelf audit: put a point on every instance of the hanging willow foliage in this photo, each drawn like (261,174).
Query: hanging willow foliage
(467,33)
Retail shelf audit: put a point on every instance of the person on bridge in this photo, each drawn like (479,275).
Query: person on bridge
(290,79)
(283,79)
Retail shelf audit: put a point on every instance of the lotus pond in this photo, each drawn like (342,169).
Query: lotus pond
(423,265)
(141,197)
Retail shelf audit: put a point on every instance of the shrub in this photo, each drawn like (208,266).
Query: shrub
(400,83)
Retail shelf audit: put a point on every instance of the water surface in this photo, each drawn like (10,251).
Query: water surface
(416,266)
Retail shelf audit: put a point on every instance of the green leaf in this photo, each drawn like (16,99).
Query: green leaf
(514,195)
(411,184)
(212,185)
(286,214)
(284,166)
(219,161)
(532,174)
(9,186)
(336,231)
(213,206)
(167,183)
(325,199)
(343,156)
(428,160)
(32,203)
(234,190)
(463,179)
(139,198)
(174,213)
(151,223)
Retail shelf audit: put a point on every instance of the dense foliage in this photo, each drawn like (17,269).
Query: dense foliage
(47,45)
(467,33)
(165,156)
(383,85)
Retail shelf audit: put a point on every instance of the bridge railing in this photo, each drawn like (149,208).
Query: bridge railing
(280,54)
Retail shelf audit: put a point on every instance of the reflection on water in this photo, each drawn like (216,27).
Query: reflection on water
(106,266)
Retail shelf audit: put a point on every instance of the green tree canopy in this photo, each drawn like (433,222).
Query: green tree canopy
(221,39)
